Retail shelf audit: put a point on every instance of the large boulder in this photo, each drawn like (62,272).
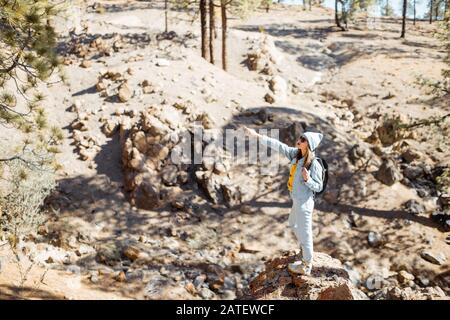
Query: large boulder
(146,148)
(328,281)
(155,165)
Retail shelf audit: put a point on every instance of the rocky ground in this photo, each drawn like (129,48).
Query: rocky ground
(126,222)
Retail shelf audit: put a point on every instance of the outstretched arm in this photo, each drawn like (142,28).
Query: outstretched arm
(288,152)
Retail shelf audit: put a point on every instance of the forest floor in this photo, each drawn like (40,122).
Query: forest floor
(370,65)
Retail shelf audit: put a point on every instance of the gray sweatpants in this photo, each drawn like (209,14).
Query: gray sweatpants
(300,220)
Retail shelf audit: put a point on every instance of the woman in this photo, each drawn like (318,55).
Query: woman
(302,185)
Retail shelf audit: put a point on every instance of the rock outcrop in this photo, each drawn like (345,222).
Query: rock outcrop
(156,164)
(328,281)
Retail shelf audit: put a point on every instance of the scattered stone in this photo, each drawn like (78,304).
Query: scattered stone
(80,125)
(207,294)
(413,172)
(444,200)
(134,251)
(388,172)
(359,155)
(110,127)
(414,207)
(229,295)
(199,280)
(121,277)
(169,175)
(374,282)
(433,257)
(86,64)
(375,239)
(125,93)
(405,276)
(246,209)
(410,155)
(191,288)
(278,85)
(108,253)
(84,249)
(269,98)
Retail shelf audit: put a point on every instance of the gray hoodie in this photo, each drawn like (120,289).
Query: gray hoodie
(302,192)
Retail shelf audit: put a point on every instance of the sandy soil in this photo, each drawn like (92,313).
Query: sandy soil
(362,64)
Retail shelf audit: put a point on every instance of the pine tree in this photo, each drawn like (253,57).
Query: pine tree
(28,58)
(386,8)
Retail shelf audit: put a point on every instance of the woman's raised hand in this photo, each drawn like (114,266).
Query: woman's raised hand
(250,132)
(305,174)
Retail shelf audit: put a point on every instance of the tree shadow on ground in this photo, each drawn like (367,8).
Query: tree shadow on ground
(311,55)
(283,30)
(382,214)
(9,292)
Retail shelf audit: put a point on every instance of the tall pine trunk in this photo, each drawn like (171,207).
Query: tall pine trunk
(405,3)
(436,10)
(431,11)
(166,9)
(212,28)
(414,12)
(223,9)
(204,30)
(336,16)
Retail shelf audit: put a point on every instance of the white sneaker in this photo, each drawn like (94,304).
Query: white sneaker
(300,267)
(306,269)
(295,266)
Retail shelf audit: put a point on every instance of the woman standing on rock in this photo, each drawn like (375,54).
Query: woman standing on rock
(302,185)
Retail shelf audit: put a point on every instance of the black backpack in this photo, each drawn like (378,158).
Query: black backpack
(324,165)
